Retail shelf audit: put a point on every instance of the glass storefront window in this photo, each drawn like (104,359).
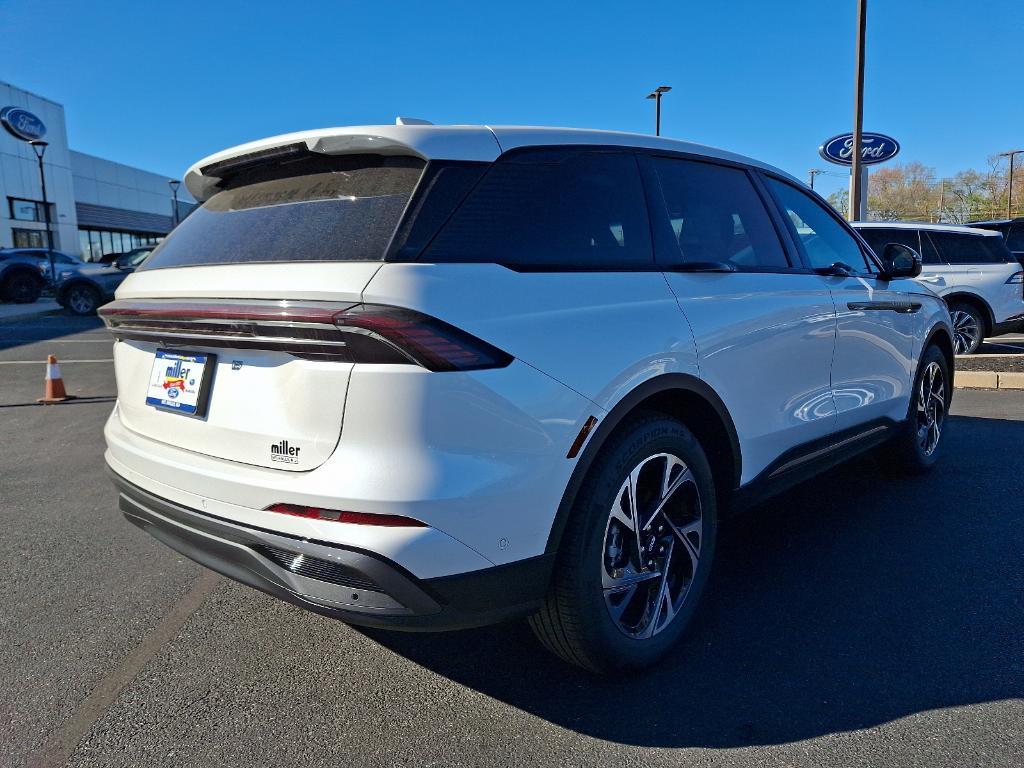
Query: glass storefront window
(97,243)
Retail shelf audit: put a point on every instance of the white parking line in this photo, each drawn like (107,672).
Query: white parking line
(60,362)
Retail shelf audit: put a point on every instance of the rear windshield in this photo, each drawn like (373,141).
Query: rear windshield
(334,215)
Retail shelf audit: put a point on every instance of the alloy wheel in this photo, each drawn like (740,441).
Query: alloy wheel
(81,300)
(966,332)
(652,545)
(931,408)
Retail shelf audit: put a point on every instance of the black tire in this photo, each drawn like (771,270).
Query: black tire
(575,621)
(81,299)
(907,453)
(22,288)
(968,327)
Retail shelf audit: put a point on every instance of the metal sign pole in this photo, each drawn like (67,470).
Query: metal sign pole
(858,203)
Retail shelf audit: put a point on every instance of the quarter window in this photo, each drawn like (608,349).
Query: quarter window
(824,240)
(717,215)
(552,208)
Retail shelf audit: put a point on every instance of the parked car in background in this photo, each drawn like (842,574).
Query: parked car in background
(24,272)
(110,258)
(84,287)
(428,377)
(970,268)
(1012,231)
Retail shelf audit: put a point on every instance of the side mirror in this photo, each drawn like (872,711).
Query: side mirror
(900,260)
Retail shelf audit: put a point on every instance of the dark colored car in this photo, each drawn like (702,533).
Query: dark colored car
(24,272)
(84,287)
(1012,231)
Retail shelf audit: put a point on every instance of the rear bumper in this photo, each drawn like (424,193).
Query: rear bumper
(346,583)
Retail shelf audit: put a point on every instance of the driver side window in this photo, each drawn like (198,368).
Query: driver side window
(824,241)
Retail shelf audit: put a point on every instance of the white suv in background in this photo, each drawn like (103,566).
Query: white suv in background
(428,377)
(972,269)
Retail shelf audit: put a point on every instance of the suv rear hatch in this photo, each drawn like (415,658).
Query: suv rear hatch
(241,302)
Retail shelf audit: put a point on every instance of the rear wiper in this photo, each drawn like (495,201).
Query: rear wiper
(703,266)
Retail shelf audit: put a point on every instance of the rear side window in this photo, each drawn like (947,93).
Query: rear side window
(335,215)
(824,240)
(956,248)
(552,209)
(879,238)
(717,215)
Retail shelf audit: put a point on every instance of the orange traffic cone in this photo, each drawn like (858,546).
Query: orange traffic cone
(55,392)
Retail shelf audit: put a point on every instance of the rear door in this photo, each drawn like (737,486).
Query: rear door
(764,327)
(242,296)
(874,355)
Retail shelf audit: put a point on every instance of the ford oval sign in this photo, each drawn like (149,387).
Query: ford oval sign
(22,124)
(875,148)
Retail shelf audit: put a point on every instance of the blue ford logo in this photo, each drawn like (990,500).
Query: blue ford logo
(874,148)
(22,124)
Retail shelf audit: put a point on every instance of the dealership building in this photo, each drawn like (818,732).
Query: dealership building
(97,206)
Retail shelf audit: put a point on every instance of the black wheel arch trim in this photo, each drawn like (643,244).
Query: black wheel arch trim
(988,316)
(606,427)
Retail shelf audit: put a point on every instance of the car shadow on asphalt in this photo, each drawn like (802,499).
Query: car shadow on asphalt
(847,602)
(17,332)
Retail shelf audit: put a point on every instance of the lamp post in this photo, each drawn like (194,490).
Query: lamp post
(174,184)
(1009,188)
(39,147)
(656,94)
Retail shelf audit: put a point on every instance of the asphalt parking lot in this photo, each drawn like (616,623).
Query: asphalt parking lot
(856,620)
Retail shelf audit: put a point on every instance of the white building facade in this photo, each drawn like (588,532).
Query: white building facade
(97,206)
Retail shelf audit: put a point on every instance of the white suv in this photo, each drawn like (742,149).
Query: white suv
(972,269)
(429,377)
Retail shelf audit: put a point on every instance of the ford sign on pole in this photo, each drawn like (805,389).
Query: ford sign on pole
(875,148)
(22,124)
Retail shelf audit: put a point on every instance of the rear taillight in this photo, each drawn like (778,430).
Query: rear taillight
(353,333)
(338,516)
(430,342)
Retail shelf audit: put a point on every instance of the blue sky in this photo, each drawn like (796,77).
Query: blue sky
(159,85)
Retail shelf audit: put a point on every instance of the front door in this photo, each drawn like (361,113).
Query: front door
(873,370)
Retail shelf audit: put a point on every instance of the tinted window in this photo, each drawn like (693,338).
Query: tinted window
(824,240)
(1015,239)
(339,215)
(552,208)
(879,238)
(956,248)
(717,215)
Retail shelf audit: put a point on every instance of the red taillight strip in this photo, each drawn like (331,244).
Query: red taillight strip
(356,333)
(338,516)
(271,311)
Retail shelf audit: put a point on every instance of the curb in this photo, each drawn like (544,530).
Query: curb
(988,380)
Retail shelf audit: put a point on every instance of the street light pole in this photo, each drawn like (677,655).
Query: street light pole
(1009,189)
(174,184)
(656,94)
(856,210)
(39,147)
